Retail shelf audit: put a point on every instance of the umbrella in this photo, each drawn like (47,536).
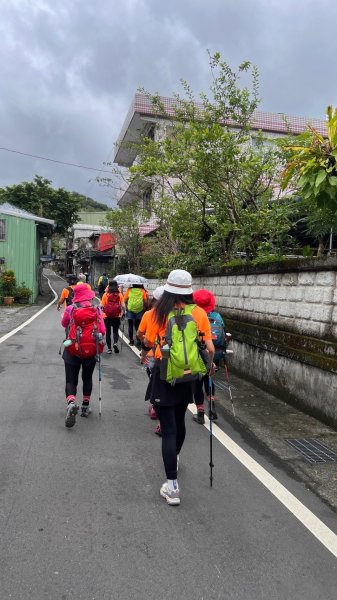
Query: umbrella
(130,279)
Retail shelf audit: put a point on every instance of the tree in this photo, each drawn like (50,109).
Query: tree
(224,187)
(311,170)
(39,198)
(88,204)
(125,223)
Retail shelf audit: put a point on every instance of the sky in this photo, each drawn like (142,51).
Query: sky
(69,70)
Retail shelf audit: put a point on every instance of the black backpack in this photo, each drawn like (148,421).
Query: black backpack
(69,299)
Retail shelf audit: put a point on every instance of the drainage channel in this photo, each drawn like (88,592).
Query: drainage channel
(313,450)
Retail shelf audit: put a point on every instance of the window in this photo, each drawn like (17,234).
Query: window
(2,230)
(147,195)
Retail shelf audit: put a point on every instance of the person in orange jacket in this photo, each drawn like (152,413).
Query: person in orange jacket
(66,296)
(146,354)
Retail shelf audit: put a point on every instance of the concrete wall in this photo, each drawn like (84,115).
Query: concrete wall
(283,319)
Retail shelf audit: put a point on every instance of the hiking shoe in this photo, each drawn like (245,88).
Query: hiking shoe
(116,349)
(199,418)
(109,351)
(131,343)
(214,415)
(157,431)
(152,413)
(72,411)
(172,496)
(85,410)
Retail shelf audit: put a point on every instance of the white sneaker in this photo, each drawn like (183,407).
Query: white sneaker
(172,496)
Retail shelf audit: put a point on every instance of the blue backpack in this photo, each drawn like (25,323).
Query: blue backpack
(218,334)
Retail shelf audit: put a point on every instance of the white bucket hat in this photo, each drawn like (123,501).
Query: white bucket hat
(158,292)
(179,282)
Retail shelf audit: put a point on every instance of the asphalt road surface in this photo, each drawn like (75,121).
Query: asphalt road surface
(80,512)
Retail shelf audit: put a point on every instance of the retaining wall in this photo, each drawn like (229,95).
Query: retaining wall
(283,318)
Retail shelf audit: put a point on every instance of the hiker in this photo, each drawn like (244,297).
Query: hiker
(136,300)
(148,355)
(102,284)
(114,310)
(172,381)
(66,296)
(83,279)
(81,350)
(206,300)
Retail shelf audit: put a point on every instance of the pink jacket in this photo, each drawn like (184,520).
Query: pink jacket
(66,318)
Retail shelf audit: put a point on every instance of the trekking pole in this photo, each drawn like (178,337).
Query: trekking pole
(228,385)
(99,387)
(98,359)
(122,337)
(210,416)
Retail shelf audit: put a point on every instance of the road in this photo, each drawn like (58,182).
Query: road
(81,516)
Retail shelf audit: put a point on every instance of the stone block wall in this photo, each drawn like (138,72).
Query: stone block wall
(283,319)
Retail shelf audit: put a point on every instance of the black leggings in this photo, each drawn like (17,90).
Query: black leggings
(130,324)
(198,390)
(72,372)
(173,431)
(114,323)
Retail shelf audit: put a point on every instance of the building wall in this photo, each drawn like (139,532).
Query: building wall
(20,250)
(284,325)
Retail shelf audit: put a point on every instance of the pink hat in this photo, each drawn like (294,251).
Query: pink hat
(82,292)
(205,299)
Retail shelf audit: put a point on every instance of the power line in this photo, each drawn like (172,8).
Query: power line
(60,162)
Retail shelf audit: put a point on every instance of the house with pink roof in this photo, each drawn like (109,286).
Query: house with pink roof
(143,119)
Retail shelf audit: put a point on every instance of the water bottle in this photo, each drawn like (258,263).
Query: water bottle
(67,343)
(165,351)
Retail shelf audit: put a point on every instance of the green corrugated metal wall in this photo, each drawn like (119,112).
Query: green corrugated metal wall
(20,250)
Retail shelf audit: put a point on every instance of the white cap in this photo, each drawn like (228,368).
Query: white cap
(158,292)
(179,282)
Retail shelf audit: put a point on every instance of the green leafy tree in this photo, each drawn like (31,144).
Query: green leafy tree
(39,198)
(125,223)
(223,186)
(311,170)
(89,204)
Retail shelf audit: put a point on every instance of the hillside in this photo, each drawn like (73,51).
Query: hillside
(90,205)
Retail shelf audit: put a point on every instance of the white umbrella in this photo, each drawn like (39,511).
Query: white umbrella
(130,279)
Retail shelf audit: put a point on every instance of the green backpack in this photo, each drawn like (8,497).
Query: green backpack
(135,300)
(181,360)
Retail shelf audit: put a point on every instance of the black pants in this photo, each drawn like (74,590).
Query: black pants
(72,373)
(198,390)
(173,431)
(132,322)
(115,324)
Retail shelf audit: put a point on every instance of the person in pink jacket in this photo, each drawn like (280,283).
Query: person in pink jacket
(83,297)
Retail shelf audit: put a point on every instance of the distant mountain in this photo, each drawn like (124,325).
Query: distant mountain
(90,205)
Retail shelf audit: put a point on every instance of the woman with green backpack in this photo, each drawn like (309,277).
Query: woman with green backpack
(136,301)
(176,328)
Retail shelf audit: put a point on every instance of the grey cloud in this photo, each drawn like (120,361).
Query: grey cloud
(69,69)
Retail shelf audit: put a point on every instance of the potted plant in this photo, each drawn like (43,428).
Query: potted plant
(8,283)
(22,293)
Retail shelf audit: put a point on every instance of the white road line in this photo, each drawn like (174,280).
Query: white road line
(8,335)
(316,527)
(327,537)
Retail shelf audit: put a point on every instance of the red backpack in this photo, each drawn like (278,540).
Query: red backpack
(112,308)
(84,332)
